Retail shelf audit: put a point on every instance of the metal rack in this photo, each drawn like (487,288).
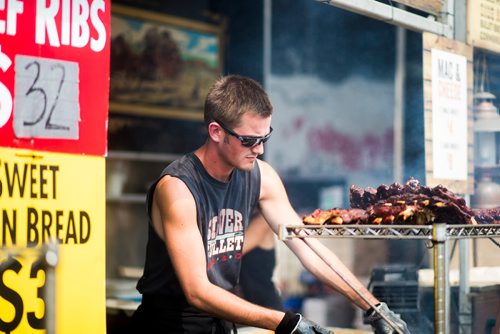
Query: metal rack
(437,234)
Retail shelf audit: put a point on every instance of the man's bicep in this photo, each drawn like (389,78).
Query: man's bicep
(185,247)
(181,234)
(273,202)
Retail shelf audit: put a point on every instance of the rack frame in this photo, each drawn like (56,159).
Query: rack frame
(437,234)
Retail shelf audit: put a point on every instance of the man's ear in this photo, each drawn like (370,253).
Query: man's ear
(215,132)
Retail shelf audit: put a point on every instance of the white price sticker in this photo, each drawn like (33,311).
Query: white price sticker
(46,98)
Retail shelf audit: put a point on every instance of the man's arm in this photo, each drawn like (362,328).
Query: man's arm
(277,209)
(174,218)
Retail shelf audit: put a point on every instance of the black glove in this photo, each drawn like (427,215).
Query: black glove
(294,323)
(380,326)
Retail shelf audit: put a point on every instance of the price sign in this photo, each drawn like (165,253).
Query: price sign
(54,75)
(26,290)
(46,98)
(448,113)
(51,198)
(54,89)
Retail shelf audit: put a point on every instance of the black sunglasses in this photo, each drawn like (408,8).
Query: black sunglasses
(247,141)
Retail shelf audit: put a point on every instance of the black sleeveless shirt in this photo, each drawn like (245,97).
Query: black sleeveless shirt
(223,212)
(256,279)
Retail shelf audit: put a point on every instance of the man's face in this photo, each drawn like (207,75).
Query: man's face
(253,128)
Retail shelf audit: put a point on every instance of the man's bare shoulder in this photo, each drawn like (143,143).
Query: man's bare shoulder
(271,184)
(172,186)
(267,172)
(265,167)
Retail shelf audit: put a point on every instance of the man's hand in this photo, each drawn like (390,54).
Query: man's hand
(380,326)
(294,323)
(308,327)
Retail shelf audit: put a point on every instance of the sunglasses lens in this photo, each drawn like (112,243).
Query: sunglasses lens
(250,142)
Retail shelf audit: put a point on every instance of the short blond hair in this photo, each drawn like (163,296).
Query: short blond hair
(232,96)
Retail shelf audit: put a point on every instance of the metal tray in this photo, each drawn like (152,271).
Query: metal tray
(388,231)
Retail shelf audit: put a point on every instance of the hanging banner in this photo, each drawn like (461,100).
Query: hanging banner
(54,75)
(448,113)
(50,198)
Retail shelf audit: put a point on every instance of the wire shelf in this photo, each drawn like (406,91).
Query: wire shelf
(388,231)
(438,234)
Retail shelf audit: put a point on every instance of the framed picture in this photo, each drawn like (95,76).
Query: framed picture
(161,65)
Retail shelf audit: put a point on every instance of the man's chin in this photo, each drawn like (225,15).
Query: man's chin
(247,166)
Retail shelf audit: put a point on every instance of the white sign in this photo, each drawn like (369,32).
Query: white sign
(46,98)
(449,115)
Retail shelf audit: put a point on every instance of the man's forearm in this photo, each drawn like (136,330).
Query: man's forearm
(226,305)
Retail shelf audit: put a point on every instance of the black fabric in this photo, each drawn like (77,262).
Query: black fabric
(256,283)
(154,315)
(223,211)
(288,323)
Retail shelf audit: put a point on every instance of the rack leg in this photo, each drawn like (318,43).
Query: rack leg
(441,280)
(465,307)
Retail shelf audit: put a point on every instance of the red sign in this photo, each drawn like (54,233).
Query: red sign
(54,75)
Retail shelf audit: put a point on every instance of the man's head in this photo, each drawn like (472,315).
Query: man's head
(232,96)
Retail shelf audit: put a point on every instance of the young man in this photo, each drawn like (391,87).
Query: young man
(198,211)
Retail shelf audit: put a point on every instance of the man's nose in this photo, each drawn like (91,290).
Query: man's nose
(258,149)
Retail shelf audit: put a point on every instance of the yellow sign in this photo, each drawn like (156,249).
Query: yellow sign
(52,198)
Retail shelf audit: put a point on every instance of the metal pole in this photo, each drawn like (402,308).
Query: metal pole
(51,259)
(464,304)
(399,99)
(393,15)
(267,23)
(441,281)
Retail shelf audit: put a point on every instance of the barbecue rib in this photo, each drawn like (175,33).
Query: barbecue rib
(411,204)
